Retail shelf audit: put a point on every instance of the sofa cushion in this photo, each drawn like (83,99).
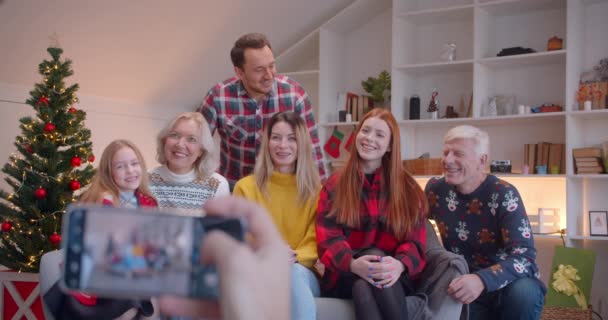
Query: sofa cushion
(442,267)
(338,309)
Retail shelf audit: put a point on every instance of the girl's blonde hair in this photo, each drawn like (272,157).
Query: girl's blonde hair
(307,175)
(206,164)
(103,184)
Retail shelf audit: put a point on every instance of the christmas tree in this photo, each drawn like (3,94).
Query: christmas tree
(53,163)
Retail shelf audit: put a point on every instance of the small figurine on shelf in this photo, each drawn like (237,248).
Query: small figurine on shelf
(450,113)
(434,104)
(449,52)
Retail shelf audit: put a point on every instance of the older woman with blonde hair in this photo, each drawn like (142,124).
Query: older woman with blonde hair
(286,182)
(187,177)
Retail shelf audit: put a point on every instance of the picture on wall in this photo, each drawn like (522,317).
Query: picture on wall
(598,223)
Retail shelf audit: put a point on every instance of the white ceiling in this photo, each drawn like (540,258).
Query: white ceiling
(147,52)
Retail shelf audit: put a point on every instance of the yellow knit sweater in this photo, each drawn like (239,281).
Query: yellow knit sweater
(296,223)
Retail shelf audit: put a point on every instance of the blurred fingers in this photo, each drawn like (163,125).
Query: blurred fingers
(260,224)
(218,248)
(177,306)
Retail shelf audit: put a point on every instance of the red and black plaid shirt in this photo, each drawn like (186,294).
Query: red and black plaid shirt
(338,243)
(240,121)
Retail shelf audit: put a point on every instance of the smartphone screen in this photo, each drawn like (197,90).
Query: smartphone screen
(118,252)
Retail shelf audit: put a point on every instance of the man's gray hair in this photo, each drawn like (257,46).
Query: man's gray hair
(482,141)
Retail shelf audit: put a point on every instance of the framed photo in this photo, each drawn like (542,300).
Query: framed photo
(598,223)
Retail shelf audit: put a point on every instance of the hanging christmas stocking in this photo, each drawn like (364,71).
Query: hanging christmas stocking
(349,141)
(332,146)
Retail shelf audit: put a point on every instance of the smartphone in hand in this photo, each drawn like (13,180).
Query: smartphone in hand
(139,253)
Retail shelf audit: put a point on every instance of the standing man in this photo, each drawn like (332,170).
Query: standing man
(240,106)
(483,218)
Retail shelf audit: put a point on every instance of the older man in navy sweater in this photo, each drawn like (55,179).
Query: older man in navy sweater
(483,218)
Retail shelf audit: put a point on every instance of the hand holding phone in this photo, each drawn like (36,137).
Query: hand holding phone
(140,253)
(254,281)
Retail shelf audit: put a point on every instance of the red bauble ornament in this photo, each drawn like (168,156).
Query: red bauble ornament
(49,127)
(29,148)
(44,100)
(55,238)
(40,193)
(6,226)
(72,110)
(76,162)
(91,158)
(74,185)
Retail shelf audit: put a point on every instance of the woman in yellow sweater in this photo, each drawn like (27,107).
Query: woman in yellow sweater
(286,182)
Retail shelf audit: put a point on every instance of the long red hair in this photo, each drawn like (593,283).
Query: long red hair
(405,201)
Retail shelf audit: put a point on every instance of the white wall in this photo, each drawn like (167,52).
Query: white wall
(147,52)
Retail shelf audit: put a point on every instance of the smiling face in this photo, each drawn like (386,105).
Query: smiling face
(462,166)
(126,169)
(258,71)
(283,147)
(372,142)
(183,146)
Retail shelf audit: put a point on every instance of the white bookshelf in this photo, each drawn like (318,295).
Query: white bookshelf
(557,57)
(406,37)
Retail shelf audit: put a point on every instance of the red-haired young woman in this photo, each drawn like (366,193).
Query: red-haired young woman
(370,224)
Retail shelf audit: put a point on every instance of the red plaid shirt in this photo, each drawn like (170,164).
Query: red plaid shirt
(240,122)
(337,243)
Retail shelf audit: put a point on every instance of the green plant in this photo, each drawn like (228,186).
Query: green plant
(378,88)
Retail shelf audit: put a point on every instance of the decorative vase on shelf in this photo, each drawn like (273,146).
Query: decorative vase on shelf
(433,108)
(414,107)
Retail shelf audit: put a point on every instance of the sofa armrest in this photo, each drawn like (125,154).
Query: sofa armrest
(441,268)
(50,270)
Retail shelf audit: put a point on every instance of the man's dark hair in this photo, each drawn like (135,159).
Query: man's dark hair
(249,41)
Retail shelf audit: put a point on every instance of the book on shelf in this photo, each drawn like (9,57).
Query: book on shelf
(550,155)
(585,170)
(590,160)
(542,156)
(351,100)
(341,103)
(596,164)
(555,156)
(530,159)
(527,155)
(587,152)
(355,105)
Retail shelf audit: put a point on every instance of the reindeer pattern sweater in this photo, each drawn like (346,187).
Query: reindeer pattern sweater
(489,227)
